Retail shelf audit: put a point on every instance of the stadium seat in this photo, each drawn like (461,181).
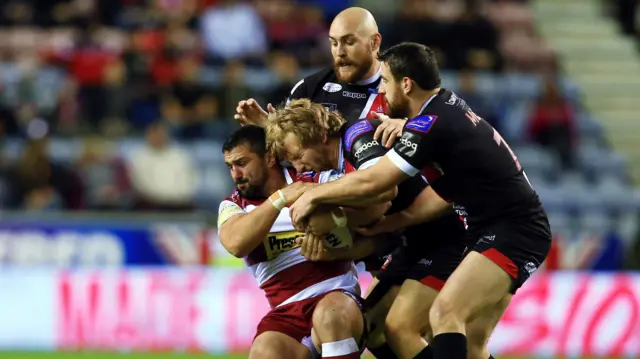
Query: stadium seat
(537,161)
(595,161)
(520,87)
(594,222)
(514,122)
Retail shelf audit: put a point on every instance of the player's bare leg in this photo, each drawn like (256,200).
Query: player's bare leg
(337,326)
(407,323)
(476,285)
(274,345)
(376,342)
(480,329)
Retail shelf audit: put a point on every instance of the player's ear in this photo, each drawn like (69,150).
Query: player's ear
(376,40)
(324,139)
(407,85)
(271,158)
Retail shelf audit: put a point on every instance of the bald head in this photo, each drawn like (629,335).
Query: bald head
(354,20)
(355,42)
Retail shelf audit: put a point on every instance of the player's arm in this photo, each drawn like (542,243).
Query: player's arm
(428,206)
(313,248)
(326,219)
(417,146)
(241,232)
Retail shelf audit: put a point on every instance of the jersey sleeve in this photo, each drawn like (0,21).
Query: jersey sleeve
(227,209)
(298,91)
(360,149)
(418,145)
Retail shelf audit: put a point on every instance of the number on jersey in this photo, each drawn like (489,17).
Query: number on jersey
(499,141)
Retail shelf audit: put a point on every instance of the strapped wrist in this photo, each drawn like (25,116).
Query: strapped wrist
(278,200)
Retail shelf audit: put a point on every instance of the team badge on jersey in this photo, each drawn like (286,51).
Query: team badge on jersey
(421,123)
(332,87)
(354,131)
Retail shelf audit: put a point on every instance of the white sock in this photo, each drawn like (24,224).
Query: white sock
(340,348)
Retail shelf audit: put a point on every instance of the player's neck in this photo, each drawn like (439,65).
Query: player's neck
(373,71)
(419,99)
(275,181)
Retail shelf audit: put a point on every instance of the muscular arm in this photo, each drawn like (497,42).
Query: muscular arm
(243,232)
(357,217)
(428,206)
(363,247)
(360,185)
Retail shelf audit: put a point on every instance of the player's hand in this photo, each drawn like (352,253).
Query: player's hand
(312,247)
(293,191)
(249,112)
(301,210)
(320,222)
(389,130)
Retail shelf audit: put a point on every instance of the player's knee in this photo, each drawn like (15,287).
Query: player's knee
(337,313)
(261,349)
(395,327)
(444,311)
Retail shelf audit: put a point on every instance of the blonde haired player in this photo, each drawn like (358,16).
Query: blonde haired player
(316,306)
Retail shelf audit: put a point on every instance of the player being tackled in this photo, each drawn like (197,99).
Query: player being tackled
(316,306)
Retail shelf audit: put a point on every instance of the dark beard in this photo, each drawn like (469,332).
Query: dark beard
(253,193)
(400,109)
(358,75)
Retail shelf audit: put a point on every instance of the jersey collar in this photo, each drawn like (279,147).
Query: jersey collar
(371,79)
(427,103)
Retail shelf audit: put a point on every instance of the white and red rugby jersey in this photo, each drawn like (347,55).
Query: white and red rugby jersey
(281,271)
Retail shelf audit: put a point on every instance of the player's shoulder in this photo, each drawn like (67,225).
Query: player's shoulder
(352,129)
(324,78)
(235,197)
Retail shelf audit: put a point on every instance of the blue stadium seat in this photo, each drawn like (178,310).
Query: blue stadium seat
(595,161)
(518,87)
(537,161)
(595,222)
(561,222)
(514,122)
(553,198)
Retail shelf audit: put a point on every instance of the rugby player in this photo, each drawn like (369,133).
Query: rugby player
(313,137)
(303,295)
(466,161)
(350,85)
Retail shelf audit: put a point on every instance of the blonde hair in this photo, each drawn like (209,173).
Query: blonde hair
(306,120)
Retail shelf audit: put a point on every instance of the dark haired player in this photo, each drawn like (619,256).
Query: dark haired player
(314,305)
(466,161)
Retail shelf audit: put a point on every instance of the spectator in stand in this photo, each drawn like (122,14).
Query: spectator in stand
(234,89)
(286,69)
(553,122)
(476,100)
(232,30)
(104,176)
(38,183)
(476,44)
(162,174)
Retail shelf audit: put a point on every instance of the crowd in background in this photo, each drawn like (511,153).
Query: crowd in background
(103,69)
